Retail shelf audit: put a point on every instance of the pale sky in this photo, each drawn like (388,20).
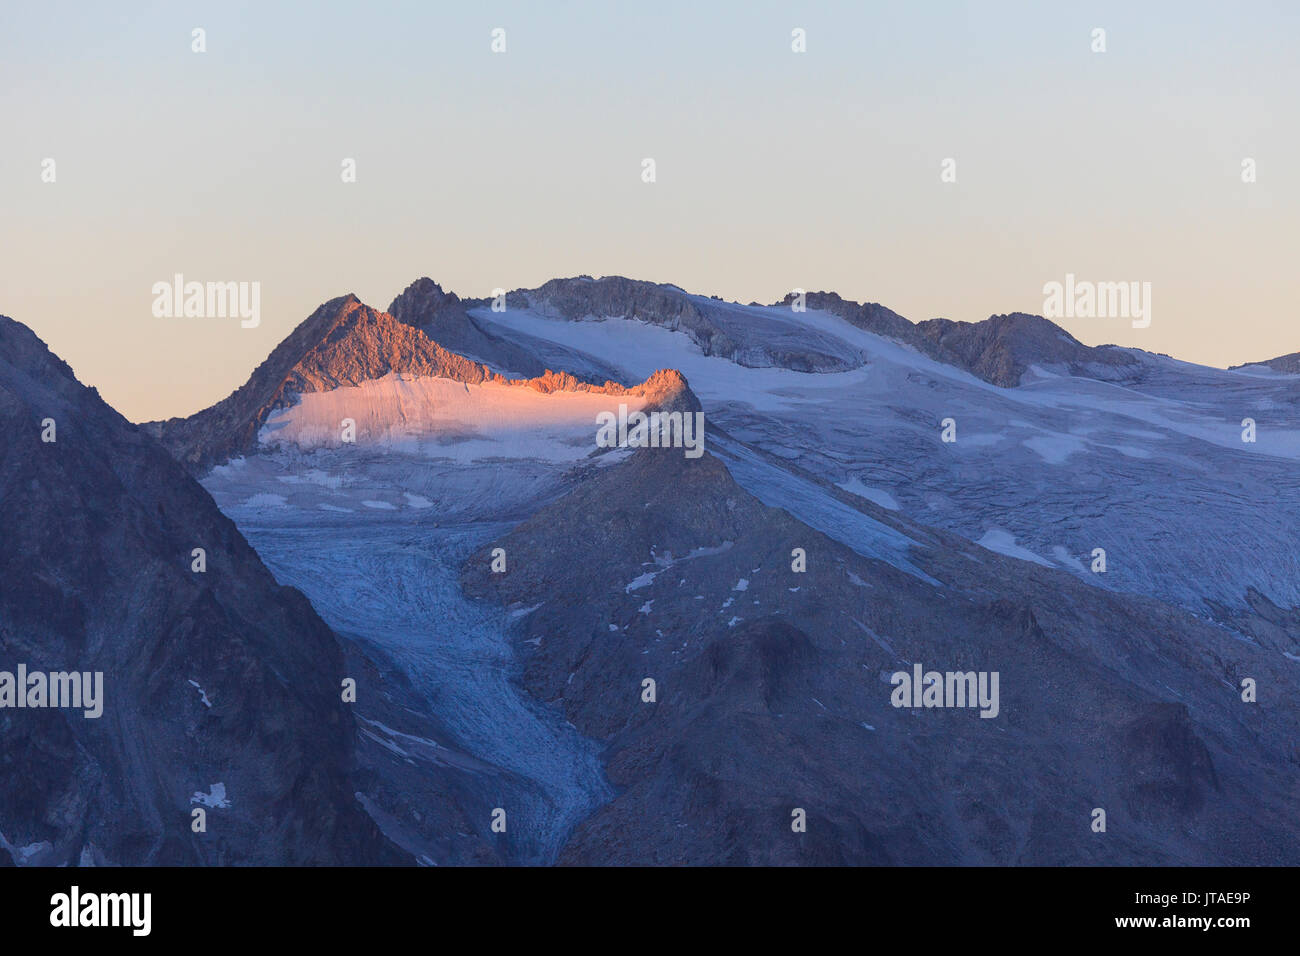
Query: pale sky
(775,170)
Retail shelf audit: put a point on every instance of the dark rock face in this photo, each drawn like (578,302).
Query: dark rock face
(628,298)
(773,693)
(442,317)
(1171,769)
(871,316)
(1289,363)
(1001,349)
(97,531)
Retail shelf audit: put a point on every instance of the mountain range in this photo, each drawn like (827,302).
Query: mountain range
(576,654)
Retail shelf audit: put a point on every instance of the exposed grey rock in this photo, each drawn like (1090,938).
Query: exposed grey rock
(716,327)
(442,317)
(214,679)
(772,693)
(1002,348)
(1289,364)
(999,349)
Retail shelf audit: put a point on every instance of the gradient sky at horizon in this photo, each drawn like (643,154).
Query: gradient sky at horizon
(775,170)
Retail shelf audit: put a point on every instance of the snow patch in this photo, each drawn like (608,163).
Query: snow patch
(1055,449)
(265,499)
(645,580)
(1003,542)
(444,419)
(876,495)
(195,685)
(215,798)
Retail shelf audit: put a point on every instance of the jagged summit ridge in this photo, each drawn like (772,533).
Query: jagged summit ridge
(343,342)
(443,317)
(999,349)
(346,343)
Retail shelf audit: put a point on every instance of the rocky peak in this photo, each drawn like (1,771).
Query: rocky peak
(425,305)
(1003,347)
(345,343)
(442,317)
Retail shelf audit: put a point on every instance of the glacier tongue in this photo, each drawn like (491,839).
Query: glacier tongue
(387,579)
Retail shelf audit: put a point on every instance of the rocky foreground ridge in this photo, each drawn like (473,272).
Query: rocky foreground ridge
(221,688)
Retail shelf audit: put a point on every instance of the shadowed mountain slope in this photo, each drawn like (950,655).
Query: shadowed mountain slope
(221,689)
(773,693)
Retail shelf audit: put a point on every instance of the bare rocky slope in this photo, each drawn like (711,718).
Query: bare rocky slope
(220,689)
(1001,349)
(773,693)
(1289,363)
(442,317)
